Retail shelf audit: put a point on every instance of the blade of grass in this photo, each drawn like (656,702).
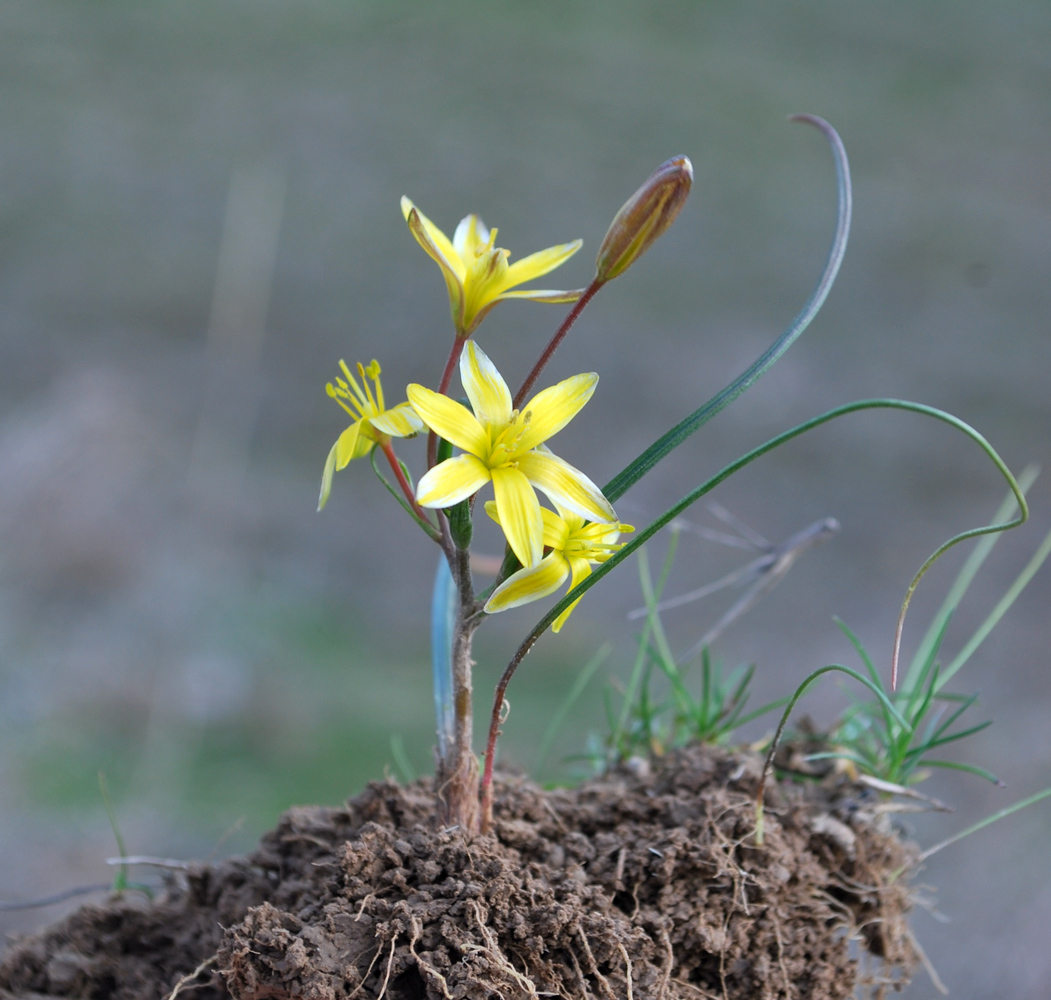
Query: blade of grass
(401,759)
(965,704)
(967,573)
(120,876)
(876,689)
(981,824)
(1000,610)
(952,737)
(866,660)
(953,765)
(585,675)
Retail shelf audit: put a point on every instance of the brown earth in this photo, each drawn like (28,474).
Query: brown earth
(635,885)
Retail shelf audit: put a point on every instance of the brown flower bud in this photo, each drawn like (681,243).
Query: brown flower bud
(644,216)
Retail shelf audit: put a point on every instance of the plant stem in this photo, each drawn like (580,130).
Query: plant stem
(494,729)
(399,474)
(457,777)
(443,385)
(552,346)
(510,563)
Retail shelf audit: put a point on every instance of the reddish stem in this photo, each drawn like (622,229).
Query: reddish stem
(494,729)
(399,474)
(443,385)
(577,309)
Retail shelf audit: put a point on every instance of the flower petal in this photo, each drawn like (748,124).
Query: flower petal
(451,481)
(470,234)
(581,569)
(448,260)
(326,478)
(529,584)
(520,515)
(432,239)
(552,408)
(541,295)
(566,486)
(540,263)
(485,387)
(486,279)
(574,522)
(556,531)
(399,421)
(347,444)
(365,442)
(449,419)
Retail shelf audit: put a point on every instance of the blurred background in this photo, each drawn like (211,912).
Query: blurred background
(199,217)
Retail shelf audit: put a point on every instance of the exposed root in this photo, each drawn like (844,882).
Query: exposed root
(669,963)
(593,965)
(627,969)
(186,980)
(368,972)
(928,965)
(390,962)
(417,932)
(494,954)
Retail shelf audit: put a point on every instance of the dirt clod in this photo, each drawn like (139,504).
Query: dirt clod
(640,885)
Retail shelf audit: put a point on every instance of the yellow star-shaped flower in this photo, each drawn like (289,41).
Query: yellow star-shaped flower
(373,422)
(476,271)
(502,445)
(574,544)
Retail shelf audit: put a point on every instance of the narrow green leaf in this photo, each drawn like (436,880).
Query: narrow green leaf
(568,702)
(1001,608)
(968,572)
(396,493)
(953,765)
(981,824)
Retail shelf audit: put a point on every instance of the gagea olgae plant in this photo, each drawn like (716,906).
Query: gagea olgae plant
(494,453)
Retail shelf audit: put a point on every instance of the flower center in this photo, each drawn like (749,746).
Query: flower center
(506,441)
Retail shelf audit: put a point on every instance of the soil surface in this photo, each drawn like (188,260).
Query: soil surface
(640,885)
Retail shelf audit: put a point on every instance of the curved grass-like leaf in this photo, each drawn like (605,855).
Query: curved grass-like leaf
(768,764)
(641,537)
(621,482)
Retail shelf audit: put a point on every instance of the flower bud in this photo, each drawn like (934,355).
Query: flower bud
(644,216)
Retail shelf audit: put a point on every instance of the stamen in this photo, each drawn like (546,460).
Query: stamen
(368,392)
(336,393)
(353,386)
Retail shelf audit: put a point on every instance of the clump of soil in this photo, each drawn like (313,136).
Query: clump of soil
(634,886)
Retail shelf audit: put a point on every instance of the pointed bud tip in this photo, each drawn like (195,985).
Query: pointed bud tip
(644,217)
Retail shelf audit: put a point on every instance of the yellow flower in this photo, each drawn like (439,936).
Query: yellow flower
(501,444)
(575,546)
(476,271)
(373,422)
